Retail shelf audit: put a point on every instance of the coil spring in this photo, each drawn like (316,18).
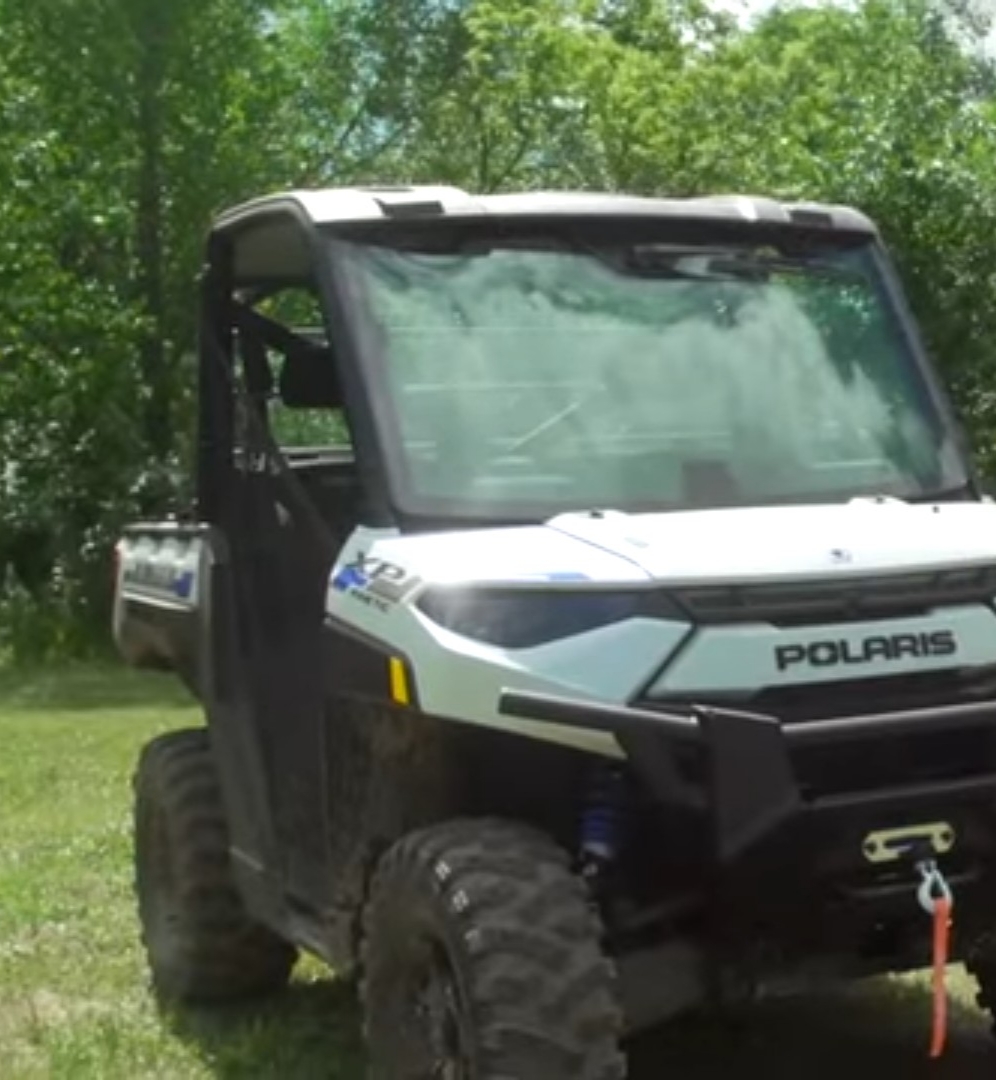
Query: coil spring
(601,822)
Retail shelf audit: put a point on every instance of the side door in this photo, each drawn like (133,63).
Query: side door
(284,535)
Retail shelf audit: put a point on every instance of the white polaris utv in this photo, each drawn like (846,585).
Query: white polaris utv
(591,609)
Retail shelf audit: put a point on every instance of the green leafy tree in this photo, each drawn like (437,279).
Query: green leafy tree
(125,124)
(119,140)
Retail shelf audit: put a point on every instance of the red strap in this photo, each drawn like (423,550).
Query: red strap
(942,940)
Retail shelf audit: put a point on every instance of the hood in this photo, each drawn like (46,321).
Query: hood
(705,547)
(778,543)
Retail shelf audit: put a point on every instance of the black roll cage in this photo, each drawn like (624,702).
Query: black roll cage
(221,311)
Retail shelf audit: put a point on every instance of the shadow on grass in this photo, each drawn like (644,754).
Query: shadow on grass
(873,1032)
(309,1032)
(89,687)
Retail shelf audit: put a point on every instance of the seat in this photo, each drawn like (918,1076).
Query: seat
(308,378)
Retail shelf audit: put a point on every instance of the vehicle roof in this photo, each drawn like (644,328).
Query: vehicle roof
(270,243)
(375,203)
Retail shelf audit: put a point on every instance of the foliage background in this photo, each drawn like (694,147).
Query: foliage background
(124,124)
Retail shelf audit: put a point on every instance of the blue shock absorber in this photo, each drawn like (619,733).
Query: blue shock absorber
(601,822)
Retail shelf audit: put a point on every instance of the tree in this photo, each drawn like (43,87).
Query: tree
(125,124)
(111,165)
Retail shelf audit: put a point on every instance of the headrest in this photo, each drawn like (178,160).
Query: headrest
(308,379)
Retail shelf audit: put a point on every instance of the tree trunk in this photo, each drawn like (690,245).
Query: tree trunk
(151,28)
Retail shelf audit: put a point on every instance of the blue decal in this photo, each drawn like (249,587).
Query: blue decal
(349,578)
(562,576)
(183,584)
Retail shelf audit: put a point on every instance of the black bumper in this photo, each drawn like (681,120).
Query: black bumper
(750,789)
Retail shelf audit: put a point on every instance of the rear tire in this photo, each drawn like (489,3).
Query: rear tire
(200,942)
(482,961)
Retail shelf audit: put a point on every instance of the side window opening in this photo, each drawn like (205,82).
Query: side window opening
(288,367)
(306,411)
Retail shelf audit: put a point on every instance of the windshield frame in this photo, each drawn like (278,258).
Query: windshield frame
(353,321)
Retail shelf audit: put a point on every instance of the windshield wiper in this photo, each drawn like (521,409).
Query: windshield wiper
(959,493)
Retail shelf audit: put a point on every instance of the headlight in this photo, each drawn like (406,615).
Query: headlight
(520,618)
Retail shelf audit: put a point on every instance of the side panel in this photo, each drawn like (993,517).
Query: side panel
(462,680)
(175,610)
(160,606)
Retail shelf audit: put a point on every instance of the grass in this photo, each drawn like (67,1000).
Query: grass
(74,1001)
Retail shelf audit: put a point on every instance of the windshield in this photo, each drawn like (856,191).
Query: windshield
(536,374)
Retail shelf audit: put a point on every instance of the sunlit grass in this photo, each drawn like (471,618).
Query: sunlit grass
(74,1001)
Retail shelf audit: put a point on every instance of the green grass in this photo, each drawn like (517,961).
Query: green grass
(74,1001)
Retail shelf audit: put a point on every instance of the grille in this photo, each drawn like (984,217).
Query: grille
(879,762)
(890,762)
(800,702)
(889,693)
(821,602)
(886,761)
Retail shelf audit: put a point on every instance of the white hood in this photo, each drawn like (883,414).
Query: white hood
(709,546)
(779,543)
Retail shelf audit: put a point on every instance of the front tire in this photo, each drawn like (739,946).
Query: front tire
(200,942)
(482,961)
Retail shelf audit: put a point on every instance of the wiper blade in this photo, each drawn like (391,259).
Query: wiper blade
(959,493)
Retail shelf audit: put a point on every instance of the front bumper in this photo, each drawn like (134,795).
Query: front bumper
(749,788)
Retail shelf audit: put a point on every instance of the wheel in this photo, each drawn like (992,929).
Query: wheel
(200,943)
(482,961)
